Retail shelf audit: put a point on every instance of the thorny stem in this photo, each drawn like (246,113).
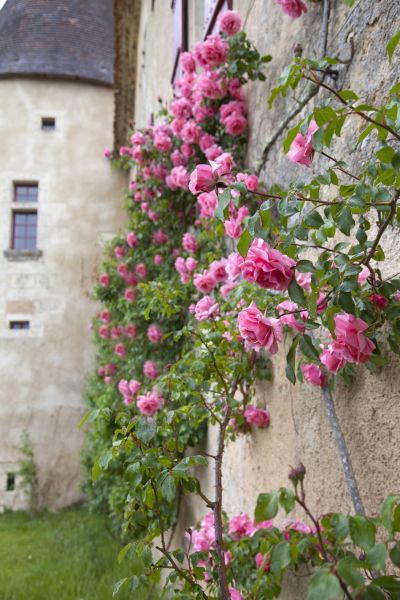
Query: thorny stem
(338,167)
(319,82)
(181,572)
(382,229)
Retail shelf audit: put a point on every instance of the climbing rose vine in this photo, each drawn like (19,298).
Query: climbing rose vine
(187,326)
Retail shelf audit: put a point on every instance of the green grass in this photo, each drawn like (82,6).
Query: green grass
(67,555)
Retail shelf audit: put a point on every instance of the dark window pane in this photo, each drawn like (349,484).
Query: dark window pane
(48,123)
(10,485)
(19,324)
(26,192)
(24,231)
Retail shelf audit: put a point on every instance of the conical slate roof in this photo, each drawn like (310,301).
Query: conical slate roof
(71,39)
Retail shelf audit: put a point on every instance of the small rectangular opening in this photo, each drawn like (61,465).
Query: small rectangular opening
(48,123)
(19,324)
(26,192)
(24,230)
(10,484)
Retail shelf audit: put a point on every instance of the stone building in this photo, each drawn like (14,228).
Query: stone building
(58,203)
(369,411)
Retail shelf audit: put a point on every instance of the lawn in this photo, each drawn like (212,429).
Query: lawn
(67,555)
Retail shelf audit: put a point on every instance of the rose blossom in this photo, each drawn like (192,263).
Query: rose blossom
(119,252)
(101,371)
(363,276)
(208,202)
(141,270)
(232,228)
(205,282)
(213,51)
(130,331)
(104,332)
(256,416)
(301,150)
(160,237)
(105,316)
(240,526)
(304,280)
(150,403)
(206,308)
(189,243)
(379,301)
(333,357)
(235,594)
(226,289)
(293,8)
(357,348)
(217,269)
(120,350)
(154,334)
(289,319)
(150,369)
(131,239)
(116,332)
(104,280)
(230,22)
(233,264)
(267,267)
(130,295)
(203,179)
(313,374)
(187,62)
(157,259)
(260,561)
(235,124)
(259,331)
(134,386)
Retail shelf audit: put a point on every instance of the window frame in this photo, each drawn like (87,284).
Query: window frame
(18,323)
(181,41)
(34,185)
(48,124)
(14,215)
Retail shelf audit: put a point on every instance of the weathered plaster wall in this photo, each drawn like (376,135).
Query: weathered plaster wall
(370,410)
(43,369)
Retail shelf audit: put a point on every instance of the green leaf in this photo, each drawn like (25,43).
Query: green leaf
(346,567)
(118,586)
(287,499)
(168,488)
(244,243)
(124,552)
(305,266)
(324,585)
(296,293)
(372,593)
(313,220)
(267,506)
(392,44)
(146,429)
(290,137)
(345,221)
(385,154)
(291,361)
(223,200)
(362,532)
(388,583)
(280,557)
(376,558)
(346,302)
(307,347)
(395,554)
(386,513)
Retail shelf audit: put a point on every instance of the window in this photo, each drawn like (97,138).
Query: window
(19,324)
(180,11)
(48,123)
(24,230)
(26,192)
(10,484)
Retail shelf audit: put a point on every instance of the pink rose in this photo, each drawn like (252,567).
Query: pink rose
(206,308)
(256,416)
(233,264)
(107,153)
(230,22)
(160,237)
(150,369)
(379,301)
(287,313)
(119,252)
(301,150)
(205,282)
(333,357)
(141,270)
(213,51)
(240,526)
(217,269)
(120,350)
(304,280)
(157,259)
(150,403)
(130,331)
(208,202)
(363,276)
(203,179)
(293,8)
(104,332)
(235,124)
(131,239)
(187,62)
(259,331)
(260,561)
(191,264)
(235,594)
(138,138)
(104,280)
(130,295)
(154,334)
(105,316)
(226,289)
(267,267)
(189,243)
(313,374)
(232,228)
(357,348)
(134,386)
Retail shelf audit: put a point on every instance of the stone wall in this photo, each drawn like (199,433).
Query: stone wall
(43,369)
(369,411)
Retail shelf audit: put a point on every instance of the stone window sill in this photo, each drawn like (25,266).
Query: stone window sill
(20,255)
